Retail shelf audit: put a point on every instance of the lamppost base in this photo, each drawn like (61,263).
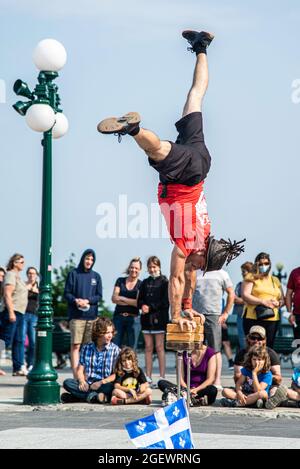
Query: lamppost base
(41,393)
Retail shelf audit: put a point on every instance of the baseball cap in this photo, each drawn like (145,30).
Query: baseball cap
(258,330)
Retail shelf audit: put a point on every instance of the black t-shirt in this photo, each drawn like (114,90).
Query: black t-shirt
(154,293)
(131,294)
(32,302)
(240,357)
(129,381)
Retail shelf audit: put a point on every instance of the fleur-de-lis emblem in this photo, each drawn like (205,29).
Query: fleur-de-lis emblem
(181,442)
(141,426)
(176,411)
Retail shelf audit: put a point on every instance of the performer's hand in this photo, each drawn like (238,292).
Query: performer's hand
(191,325)
(145,309)
(191,313)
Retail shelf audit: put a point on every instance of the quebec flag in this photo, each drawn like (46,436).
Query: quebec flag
(167,428)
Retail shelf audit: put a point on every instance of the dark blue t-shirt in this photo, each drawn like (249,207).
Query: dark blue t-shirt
(131,294)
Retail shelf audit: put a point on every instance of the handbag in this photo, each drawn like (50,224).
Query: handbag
(262,312)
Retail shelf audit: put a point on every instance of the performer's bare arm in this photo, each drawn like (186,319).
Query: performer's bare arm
(176,283)
(177,286)
(189,288)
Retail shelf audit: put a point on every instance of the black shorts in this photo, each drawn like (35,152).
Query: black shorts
(189,160)
(225,337)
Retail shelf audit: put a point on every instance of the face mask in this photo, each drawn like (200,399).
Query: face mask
(263,269)
(155,275)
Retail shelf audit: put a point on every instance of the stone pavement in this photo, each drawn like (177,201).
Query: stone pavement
(82,425)
(11,395)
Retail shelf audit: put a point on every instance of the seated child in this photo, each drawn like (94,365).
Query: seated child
(294,392)
(253,386)
(131,386)
(95,370)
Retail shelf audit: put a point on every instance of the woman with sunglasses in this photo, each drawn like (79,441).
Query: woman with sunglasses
(263,296)
(12,318)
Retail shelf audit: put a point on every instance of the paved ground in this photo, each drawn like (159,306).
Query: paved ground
(102,426)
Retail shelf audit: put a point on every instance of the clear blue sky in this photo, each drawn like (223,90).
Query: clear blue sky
(129,56)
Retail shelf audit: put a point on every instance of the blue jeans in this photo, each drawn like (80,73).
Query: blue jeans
(241,334)
(30,322)
(72,386)
(124,324)
(13,335)
(137,327)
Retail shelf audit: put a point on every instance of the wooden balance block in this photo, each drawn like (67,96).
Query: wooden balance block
(184,340)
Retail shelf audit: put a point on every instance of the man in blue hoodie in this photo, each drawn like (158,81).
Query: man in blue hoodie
(83,291)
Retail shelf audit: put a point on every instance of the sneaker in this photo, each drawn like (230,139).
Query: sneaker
(259,403)
(120,125)
(30,368)
(230,364)
(117,401)
(61,365)
(92,397)
(153,385)
(279,396)
(183,393)
(198,41)
(164,399)
(203,401)
(67,398)
(219,387)
(228,402)
(170,398)
(20,373)
(197,401)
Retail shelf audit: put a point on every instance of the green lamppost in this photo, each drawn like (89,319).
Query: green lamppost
(43,114)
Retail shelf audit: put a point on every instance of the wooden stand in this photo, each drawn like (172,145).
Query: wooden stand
(184,341)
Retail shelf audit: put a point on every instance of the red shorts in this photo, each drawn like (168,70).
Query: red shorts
(185,211)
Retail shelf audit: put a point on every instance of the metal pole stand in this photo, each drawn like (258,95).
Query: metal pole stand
(181,347)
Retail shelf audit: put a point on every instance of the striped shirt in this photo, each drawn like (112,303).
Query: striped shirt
(98,364)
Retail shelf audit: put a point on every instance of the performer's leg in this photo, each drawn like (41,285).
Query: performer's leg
(199,86)
(155,148)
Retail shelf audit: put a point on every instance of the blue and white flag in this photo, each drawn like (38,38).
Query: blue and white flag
(167,428)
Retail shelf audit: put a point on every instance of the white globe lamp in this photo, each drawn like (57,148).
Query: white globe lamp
(40,117)
(49,55)
(61,125)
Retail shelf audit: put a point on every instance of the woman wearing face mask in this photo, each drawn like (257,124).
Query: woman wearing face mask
(263,296)
(154,304)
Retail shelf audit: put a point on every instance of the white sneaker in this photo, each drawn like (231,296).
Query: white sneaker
(170,398)
(24,369)
(149,380)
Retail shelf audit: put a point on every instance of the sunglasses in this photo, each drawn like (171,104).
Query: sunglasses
(255,337)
